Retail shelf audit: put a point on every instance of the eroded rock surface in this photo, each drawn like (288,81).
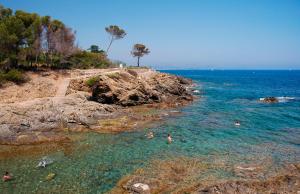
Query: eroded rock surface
(129,89)
(20,122)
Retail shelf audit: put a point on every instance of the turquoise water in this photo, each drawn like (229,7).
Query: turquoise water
(204,129)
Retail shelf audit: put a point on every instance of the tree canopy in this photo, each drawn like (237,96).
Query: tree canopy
(115,33)
(28,39)
(139,50)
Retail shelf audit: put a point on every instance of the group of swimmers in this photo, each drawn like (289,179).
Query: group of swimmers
(150,135)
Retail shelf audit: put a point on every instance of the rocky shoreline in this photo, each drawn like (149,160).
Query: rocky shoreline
(102,102)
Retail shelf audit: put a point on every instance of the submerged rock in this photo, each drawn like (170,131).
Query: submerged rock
(50,176)
(288,181)
(140,188)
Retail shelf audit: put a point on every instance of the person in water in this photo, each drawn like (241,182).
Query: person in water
(237,123)
(169,138)
(6,176)
(150,135)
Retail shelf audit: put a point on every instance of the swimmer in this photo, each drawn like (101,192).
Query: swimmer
(237,123)
(169,139)
(150,135)
(6,177)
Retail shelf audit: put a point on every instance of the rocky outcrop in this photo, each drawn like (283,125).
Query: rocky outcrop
(78,85)
(129,89)
(269,100)
(20,122)
(92,108)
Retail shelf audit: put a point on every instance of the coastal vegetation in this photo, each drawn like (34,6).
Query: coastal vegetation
(29,41)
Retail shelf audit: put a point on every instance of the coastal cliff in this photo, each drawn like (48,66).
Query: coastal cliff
(109,101)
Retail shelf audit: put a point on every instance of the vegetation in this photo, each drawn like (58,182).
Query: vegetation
(115,33)
(12,75)
(139,50)
(85,60)
(91,81)
(95,49)
(113,75)
(28,40)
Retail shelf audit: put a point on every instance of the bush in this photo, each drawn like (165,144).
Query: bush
(13,75)
(90,82)
(86,60)
(2,79)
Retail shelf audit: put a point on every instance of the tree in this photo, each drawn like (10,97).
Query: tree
(28,39)
(139,50)
(116,33)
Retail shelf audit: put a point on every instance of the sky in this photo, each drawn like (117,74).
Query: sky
(185,34)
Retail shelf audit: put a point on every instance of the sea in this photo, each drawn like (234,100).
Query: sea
(267,134)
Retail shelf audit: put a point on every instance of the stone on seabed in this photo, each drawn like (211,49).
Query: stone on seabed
(141,188)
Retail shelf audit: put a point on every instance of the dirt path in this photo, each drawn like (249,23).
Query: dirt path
(62,85)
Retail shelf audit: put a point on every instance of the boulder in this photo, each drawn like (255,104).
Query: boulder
(127,89)
(50,176)
(140,188)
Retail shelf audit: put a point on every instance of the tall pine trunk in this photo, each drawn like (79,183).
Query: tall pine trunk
(138,62)
(112,39)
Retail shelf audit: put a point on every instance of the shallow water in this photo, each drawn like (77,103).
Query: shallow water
(269,133)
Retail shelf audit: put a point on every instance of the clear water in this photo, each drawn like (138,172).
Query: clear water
(205,129)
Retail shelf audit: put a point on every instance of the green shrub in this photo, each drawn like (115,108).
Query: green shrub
(92,81)
(13,75)
(86,60)
(2,79)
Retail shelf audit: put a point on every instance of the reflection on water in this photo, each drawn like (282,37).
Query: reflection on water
(268,136)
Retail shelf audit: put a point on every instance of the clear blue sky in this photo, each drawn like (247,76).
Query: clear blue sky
(201,34)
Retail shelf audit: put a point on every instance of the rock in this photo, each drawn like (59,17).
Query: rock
(248,171)
(269,100)
(23,119)
(287,181)
(5,132)
(125,89)
(50,176)
(140,188)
